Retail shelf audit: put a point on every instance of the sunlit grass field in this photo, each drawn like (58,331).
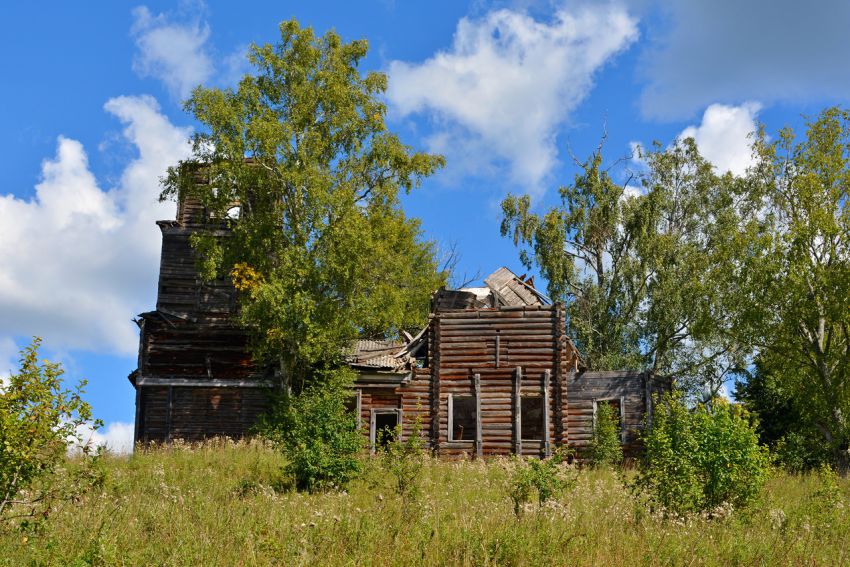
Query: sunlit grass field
(228,504)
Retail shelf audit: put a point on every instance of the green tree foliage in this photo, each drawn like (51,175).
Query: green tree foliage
(322,251)
(317,434)
(39,419)
(605,447)
(794,442)
(588,262)
(639,272)
(794,280)
(697,459)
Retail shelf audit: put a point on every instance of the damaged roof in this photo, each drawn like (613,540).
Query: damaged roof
(379,355)
(503,289)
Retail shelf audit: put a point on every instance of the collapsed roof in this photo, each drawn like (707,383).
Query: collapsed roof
(503,288)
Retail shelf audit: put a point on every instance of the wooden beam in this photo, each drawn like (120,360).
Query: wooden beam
(451,419)
(201,382)
(372,431)
(622,420)
(517,411)
(434,345)
(479,435)
(359,409)
(168,415)
(137,431)
(547,448)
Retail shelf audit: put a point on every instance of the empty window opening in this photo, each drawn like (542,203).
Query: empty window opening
(385,429)
(531,408)
(462,423)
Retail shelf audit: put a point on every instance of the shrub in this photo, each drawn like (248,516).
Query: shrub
(403,460)
(697,459)
(317,434)
(38,421)
(605,448)
(797,452)
(547,477)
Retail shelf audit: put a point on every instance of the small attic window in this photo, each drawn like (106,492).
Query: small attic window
(234,212)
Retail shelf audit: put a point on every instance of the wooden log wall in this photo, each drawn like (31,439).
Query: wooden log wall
(493,344)
(193,413)
(191,341)
(416,403)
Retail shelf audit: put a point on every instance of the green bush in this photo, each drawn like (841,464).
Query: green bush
(697,459)
(605,448)
(317,434)
(38,421)
(403,460)
(548,478)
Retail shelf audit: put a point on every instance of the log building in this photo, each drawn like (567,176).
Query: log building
(493,372)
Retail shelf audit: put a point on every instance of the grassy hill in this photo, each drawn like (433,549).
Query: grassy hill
(227,504)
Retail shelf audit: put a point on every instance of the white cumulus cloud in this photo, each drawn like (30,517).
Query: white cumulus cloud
(175,52)
(116,437)
(724,136)
(79,261)
(509,82)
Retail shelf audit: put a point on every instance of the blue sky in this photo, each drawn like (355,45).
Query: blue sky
(91,117)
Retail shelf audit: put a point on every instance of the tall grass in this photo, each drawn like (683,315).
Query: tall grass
(227,504)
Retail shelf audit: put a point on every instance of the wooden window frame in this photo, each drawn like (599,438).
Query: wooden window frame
(373,413)
(540,397)
(517,411)
(451,400)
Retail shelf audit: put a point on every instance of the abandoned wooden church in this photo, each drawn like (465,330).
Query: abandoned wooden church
(492,372)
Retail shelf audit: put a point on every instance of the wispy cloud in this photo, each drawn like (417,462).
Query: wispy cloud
(173,48)
(116,437)
(8,359)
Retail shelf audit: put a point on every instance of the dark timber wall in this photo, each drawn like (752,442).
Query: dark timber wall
(195,378)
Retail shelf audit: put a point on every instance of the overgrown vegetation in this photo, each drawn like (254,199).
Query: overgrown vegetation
(320,249)
(699,459)
(222,504)
(39,419)
(317,434)
(546,478)
(403,460)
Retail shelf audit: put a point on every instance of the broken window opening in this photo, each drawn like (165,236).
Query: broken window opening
(384,428)
(462,425)
(531,411)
